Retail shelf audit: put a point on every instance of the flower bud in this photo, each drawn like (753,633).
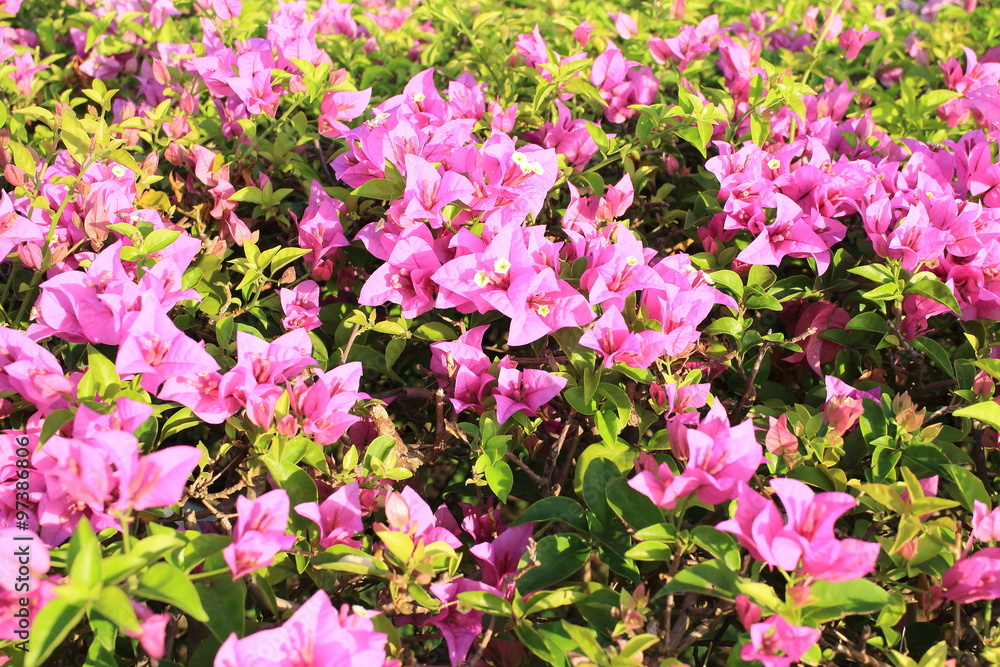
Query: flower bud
(982,385)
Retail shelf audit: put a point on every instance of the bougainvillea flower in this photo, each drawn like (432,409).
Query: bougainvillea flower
(407,277)
(779,440)
(316,634)
(691,43)
(260,532)
(154,347)
(720,459)
(407,512)
(821,315)
(524,391)
(338,517)
(844,404)
(974,578)
(324,405)
(852,40)
(301,306)
(658,482)
(806,536)
(157,479)
(500,557)
(261,362)
(462,365)
(201,394)
(152,630)
(459,624)
(428,190)
(778,643)
(611,338)
(338,106)
(985,524)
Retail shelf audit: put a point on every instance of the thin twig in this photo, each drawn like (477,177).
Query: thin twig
(535,477)
(860,657)
(350,341)
(406,393)
(750,393)
(550,464)
(487,636)
(703,629)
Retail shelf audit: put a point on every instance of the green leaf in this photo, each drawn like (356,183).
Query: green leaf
(835,600)
(53,422)
(759,129)
(378,451)
(179,421)
(726,325)
(545,600)
(300,486)
(987,412)
(166,583)
(501,479)
(119,566)
(159,239)
(399,544)
(585,638)
(559,556)
(730,280)
(712,578)
(651,550)
(661,532)
(634,508)
(558,508)
(934,350)
(636,645)
(966,487)
(225,603)
(937,655)
(75,138)
(435,331)
(887,292)
(937,290)
(868,321)
(84,556)
(201,547)
(719,544)
(115,605)
(54,622)
(101,651)
(342,558)
(599,136)
(491,603)
(393,349)
(378,188)
(599,473)
(248,194)
(101,374)
(286,256)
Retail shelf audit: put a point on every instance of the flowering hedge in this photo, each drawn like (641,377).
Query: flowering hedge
(409,333)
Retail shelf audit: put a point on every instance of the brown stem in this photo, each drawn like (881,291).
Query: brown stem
(487,636)
(568,461)
(228,493)
(350,341)
(279,604)
(860,657)
(703,629)
(407,393)
(535,477)
(750,393)
(550,464)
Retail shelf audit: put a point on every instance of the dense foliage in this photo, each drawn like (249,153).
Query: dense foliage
(497,334)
